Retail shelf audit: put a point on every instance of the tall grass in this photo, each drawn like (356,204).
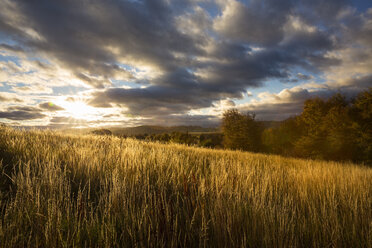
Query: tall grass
(75,191)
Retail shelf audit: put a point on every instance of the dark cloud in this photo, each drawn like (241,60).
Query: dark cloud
(21,113)
(325,13)
(304,77)
(180,91)
(50,106)
(353,86)
(259,23)
(153,100)
(11,48)
(298,78)
(284,40)
(92,36)
(98,83)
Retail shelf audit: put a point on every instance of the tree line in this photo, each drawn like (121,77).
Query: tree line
(334,129)
(337,129)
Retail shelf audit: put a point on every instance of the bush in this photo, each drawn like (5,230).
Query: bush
(102,132)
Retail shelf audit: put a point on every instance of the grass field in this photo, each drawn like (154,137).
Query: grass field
(74,191)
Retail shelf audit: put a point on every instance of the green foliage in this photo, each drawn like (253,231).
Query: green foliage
(183,138)
(361,114)
(333,129)
(281,140)
(241,131)
(105,191)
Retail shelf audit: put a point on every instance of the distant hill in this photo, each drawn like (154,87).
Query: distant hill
(145,129)
(160,130)
(148,129)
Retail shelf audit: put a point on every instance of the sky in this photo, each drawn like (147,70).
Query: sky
(93,63)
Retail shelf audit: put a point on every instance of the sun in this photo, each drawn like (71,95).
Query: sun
(79,110)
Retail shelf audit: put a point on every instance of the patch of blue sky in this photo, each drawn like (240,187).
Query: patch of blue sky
(5,39)
(38,100)
(245,2)
(4,87)
(190,70)
(249,97)
(19,84)
(362,5)
(127,67)
(122,83)
(40,59)
(276,86)
(212,8)
(68,90)
(8,58)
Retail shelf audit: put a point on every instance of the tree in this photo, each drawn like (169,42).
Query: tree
(333,129)
(328,130)
(102,132)
(340,136)
(241,131)
(281,140)
(361,113)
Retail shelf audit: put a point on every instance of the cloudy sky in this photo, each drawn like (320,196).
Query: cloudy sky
(173,62)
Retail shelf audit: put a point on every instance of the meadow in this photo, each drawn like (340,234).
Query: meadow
(59,190)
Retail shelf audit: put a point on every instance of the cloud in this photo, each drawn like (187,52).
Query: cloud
(58,122)
(32,89)
(289,102)
(21,113)
(92,37)
(67,120)
(271,106)
(9,97)
(50,106)
(359,82)
(29,75)
(10,48)
(304,77)
(259,23)
(151,101)
(159,59)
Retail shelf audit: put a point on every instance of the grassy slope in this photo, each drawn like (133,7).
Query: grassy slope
(63,191)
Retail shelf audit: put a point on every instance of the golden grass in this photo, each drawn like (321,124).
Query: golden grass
(74,191)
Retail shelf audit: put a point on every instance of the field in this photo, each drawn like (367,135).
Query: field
(61,190)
